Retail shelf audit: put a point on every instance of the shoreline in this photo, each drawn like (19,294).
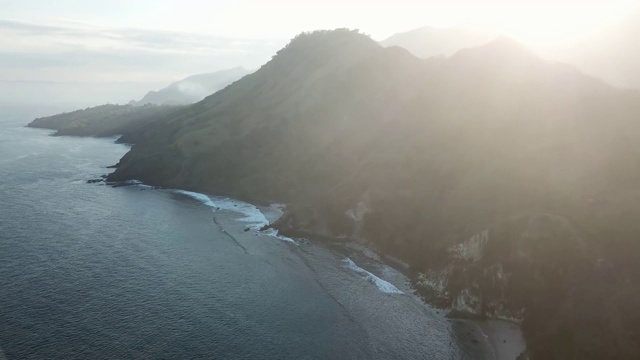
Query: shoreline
(491,338)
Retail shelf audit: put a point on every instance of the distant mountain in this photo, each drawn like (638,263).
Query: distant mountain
(111,119)
(611,53)
(194,88)
(426,41)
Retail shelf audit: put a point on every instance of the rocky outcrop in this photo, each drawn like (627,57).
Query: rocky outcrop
(499,271)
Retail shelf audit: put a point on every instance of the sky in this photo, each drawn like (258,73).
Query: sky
(146,43)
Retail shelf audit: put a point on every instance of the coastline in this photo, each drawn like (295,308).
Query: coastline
(489,339)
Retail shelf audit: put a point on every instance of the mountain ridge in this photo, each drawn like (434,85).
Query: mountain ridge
(427,41)
(193,88)
(607,53)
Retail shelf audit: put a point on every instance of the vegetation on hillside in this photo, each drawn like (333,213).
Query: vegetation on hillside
(104,120)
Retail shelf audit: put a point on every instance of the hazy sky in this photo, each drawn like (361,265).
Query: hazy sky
(156,41)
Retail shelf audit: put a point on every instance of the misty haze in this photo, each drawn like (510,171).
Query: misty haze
(319,179)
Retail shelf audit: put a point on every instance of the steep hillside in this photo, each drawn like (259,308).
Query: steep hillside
(194,88)
(532,159)
(283,106)
(426,41)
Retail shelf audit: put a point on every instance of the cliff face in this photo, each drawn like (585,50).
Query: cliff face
(539,270)
(494,272)
(508,181)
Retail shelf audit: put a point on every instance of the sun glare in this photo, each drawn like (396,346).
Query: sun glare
(550,24)
(541,24)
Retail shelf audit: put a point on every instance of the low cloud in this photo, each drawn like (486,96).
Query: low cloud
(81,65)
(54,52)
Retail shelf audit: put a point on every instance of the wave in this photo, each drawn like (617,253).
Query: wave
(384,286)
(252,214)
(197,196)
(274,233)
(139,184)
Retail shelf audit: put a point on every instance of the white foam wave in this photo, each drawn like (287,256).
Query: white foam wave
(384,286)
(252,215)
(274,233)
(200,197)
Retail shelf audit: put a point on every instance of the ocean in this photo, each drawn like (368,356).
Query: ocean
(90,271)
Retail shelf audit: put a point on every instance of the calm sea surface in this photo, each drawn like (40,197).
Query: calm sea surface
(89,271)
